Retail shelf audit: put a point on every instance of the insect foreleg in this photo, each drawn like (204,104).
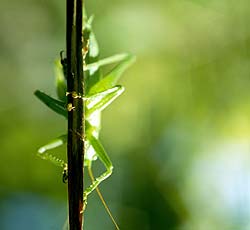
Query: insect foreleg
(43,151)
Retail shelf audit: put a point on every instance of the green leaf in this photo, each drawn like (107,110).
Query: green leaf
(100,101)
(111,79)
(55,105)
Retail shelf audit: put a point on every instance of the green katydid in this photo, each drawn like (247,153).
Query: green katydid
(100,92)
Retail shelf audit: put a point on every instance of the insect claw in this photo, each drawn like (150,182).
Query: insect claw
(63,60)
(61,55)
(65,175)
(70,107)
(74,94)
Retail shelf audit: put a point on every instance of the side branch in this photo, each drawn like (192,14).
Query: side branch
(75,84)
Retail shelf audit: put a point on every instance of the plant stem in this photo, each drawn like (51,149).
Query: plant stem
(75,83)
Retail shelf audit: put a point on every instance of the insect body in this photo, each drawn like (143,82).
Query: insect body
(101,90)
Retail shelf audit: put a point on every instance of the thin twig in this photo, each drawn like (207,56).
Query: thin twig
(75,76)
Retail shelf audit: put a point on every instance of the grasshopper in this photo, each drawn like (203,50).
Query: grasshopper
(100,91)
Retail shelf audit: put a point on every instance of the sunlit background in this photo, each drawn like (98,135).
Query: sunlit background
(178,137)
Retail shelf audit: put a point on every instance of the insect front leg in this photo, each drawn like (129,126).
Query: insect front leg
(43,153)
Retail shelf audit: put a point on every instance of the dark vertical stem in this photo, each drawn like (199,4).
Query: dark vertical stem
(75,82)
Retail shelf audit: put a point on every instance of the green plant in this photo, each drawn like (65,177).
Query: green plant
(100,90)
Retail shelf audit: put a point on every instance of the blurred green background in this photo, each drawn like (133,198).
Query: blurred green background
(178,137)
